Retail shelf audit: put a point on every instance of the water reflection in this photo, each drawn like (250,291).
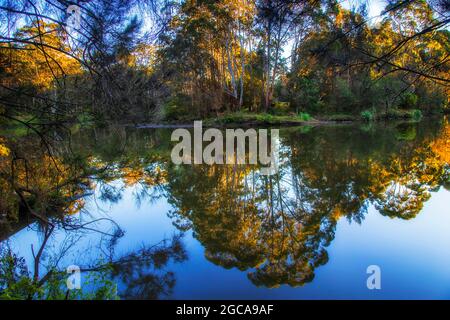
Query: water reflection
(275,228)
(279,226)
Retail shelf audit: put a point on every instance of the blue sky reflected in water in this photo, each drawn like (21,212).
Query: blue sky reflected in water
(414,256)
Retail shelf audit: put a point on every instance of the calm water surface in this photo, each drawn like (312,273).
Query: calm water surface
(346,197)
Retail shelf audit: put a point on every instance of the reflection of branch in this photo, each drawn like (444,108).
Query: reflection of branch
(29,209)
(145,255)
(37,258)
(134,269)
(37,132)
(83,226)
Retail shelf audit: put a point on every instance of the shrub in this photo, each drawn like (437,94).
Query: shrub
(416,114)
(367,115)
(303,116)
(280,108)
(265,117)
(409,100)
(173,111)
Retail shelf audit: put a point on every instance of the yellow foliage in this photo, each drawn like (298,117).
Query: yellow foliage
(4,150)
(44,60)
(441,146)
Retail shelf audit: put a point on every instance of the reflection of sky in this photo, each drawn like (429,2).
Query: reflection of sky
(414,255)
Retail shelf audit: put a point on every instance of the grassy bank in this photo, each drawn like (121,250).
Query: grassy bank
(369,115)
(248,118)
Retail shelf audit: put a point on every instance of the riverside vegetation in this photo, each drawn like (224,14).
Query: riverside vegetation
(228,61)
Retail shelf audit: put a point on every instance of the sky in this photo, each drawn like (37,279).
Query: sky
(375,6)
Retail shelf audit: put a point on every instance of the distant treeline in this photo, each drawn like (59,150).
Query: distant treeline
(156,59)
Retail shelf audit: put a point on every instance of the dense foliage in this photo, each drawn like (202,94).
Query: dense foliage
(147,60)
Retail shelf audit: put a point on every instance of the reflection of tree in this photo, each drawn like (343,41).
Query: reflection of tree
(45,188)
(142,272)
(38,184)
(221,208)
(278,227)
(54,179)
(411,178)
(246,221)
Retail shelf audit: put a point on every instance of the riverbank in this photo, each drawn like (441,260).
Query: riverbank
(246,119)
(242,120)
